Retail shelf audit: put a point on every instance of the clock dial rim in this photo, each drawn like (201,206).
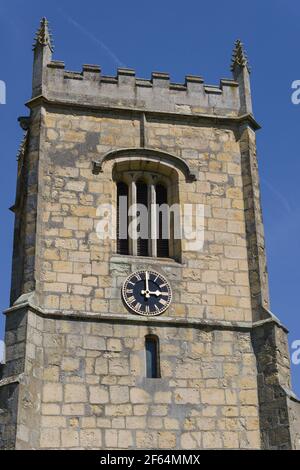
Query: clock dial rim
(151,313)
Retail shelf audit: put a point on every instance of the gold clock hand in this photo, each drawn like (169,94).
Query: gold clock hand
(156,292)
(146,291)
(147,280)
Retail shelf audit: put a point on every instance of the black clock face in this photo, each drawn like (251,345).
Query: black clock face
(147,293)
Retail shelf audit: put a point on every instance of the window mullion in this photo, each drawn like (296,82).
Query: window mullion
(132,205)
(152,220)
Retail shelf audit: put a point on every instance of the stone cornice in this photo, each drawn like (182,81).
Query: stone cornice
(135,319)
(290,394)
(246,119)
(272,319)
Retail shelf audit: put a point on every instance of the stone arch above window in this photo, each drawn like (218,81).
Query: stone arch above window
(146,159)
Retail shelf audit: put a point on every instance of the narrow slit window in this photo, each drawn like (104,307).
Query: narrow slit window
(122,219)
(152,357)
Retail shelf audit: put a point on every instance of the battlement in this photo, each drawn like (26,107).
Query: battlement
(90,87)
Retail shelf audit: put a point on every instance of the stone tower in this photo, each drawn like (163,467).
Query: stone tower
(206,366)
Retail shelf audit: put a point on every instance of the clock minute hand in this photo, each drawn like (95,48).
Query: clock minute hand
(147,281)
(146,291)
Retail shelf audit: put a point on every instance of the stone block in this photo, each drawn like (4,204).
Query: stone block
(119,394)
(98,395)
(52,392)
(90,438)
(69,438)
(50,438)
(75,393)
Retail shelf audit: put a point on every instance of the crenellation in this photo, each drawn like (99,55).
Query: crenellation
(155,94)
(56,64)
(126,72)
(91,68)
(73,75)
(142,82)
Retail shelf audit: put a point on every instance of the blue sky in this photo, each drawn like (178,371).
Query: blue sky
(191,37)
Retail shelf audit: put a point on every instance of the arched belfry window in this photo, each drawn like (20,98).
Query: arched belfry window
(143,223)
(152,357)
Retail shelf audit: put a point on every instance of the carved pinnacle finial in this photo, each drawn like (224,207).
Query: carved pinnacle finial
(43,36)
(239,56)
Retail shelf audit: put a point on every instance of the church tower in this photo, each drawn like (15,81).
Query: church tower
(139,313)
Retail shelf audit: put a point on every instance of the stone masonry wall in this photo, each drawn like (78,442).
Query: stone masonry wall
(93,392)
(258,274)
(294,417)
(77,270)
(15,340)
(75,392)
(8,415)
(279,413)
(25,209)
(85,383)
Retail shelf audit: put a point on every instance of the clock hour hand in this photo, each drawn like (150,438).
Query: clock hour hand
(156,292)
(147,293)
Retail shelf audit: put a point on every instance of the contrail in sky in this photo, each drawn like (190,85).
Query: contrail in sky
(278,195)
(93,38)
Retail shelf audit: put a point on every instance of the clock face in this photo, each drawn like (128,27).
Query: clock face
(147,293)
